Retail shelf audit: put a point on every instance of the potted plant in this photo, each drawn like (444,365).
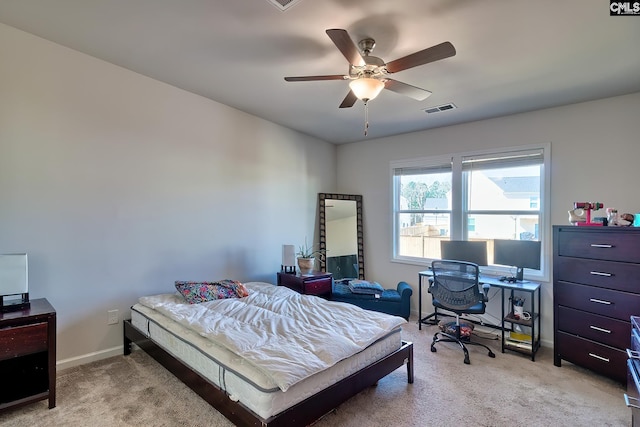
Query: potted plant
(307,257)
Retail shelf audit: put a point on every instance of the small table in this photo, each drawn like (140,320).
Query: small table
(317,283)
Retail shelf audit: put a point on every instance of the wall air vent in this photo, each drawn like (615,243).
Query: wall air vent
(283,4)
(439,108)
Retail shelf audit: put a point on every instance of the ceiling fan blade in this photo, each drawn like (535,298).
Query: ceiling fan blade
(430,54)
(313,78)
(349,100)
(407,90)
(344,43)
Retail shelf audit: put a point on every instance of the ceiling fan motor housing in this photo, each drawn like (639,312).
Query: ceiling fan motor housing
(367,45)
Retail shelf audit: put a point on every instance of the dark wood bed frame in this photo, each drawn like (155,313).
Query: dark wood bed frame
(301,414)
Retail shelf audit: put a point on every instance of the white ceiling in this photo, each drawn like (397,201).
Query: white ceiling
(512,56)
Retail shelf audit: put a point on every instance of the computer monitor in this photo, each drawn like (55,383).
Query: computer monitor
(520,254)
(464,250)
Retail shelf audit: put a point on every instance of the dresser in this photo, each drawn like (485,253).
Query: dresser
(596,290)
(317,283)
(28,355)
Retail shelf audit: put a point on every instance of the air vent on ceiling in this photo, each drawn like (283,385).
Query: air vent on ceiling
(283,4)
(440,108)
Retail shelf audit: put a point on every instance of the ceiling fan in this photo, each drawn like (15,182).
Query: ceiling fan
(368,74)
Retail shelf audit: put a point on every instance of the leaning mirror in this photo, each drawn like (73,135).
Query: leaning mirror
(341,237)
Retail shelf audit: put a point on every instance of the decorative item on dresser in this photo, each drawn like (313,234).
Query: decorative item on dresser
(316,283)
(28,355)
(596,289)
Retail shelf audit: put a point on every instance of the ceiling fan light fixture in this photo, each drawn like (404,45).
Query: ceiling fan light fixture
(366,88)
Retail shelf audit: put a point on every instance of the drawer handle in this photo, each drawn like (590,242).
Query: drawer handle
(627,402)
(595,245)
(604,359)
(598,273)
(599,301)
(600,329)
(633,354)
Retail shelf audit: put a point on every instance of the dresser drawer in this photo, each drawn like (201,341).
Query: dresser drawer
(22,340)
(612,245)
(606,302)
(603,329)
(603,359)
(606,274)
(318,287)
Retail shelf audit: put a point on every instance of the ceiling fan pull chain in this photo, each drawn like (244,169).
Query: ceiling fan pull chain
(366,117)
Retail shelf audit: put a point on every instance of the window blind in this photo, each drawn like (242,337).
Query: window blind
(505,159)
(422,170)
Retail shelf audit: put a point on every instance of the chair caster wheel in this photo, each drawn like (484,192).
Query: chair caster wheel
(433,349)
(467,361)
(492,355)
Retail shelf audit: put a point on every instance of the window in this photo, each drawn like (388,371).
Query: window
(470,196)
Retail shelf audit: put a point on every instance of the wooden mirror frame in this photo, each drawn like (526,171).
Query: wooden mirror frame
(323,229)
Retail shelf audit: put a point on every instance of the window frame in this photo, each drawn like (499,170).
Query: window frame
(459,210)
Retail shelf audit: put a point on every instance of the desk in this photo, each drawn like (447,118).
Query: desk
(508,321)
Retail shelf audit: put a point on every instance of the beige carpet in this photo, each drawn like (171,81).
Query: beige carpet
(509,390)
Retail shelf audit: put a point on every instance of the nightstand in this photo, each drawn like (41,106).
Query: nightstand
(318,283)
(28,355)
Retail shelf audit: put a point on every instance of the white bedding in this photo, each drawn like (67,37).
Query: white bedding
(285,335)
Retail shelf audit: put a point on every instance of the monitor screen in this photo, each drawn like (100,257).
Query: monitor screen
(517,253)
(464,250)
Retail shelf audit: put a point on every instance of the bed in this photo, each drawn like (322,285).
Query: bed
(286,376)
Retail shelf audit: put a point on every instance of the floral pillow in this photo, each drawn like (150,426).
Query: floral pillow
(196,292)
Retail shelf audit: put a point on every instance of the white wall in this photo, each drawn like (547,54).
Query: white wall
(116,185)
(594,157)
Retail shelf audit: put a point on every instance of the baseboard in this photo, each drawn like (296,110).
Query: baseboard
(88,358)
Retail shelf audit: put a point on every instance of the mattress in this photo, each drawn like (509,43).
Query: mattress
(242,381)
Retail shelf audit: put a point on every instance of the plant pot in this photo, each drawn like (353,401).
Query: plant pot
(306,265)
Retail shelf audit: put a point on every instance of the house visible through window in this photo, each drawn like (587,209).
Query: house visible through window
(478,196)
(533,202)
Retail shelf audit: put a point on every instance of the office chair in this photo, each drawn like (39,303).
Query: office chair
(455,287)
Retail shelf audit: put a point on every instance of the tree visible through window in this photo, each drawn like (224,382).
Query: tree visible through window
(418,193)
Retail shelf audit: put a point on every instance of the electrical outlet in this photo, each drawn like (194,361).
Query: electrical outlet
(112,317)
